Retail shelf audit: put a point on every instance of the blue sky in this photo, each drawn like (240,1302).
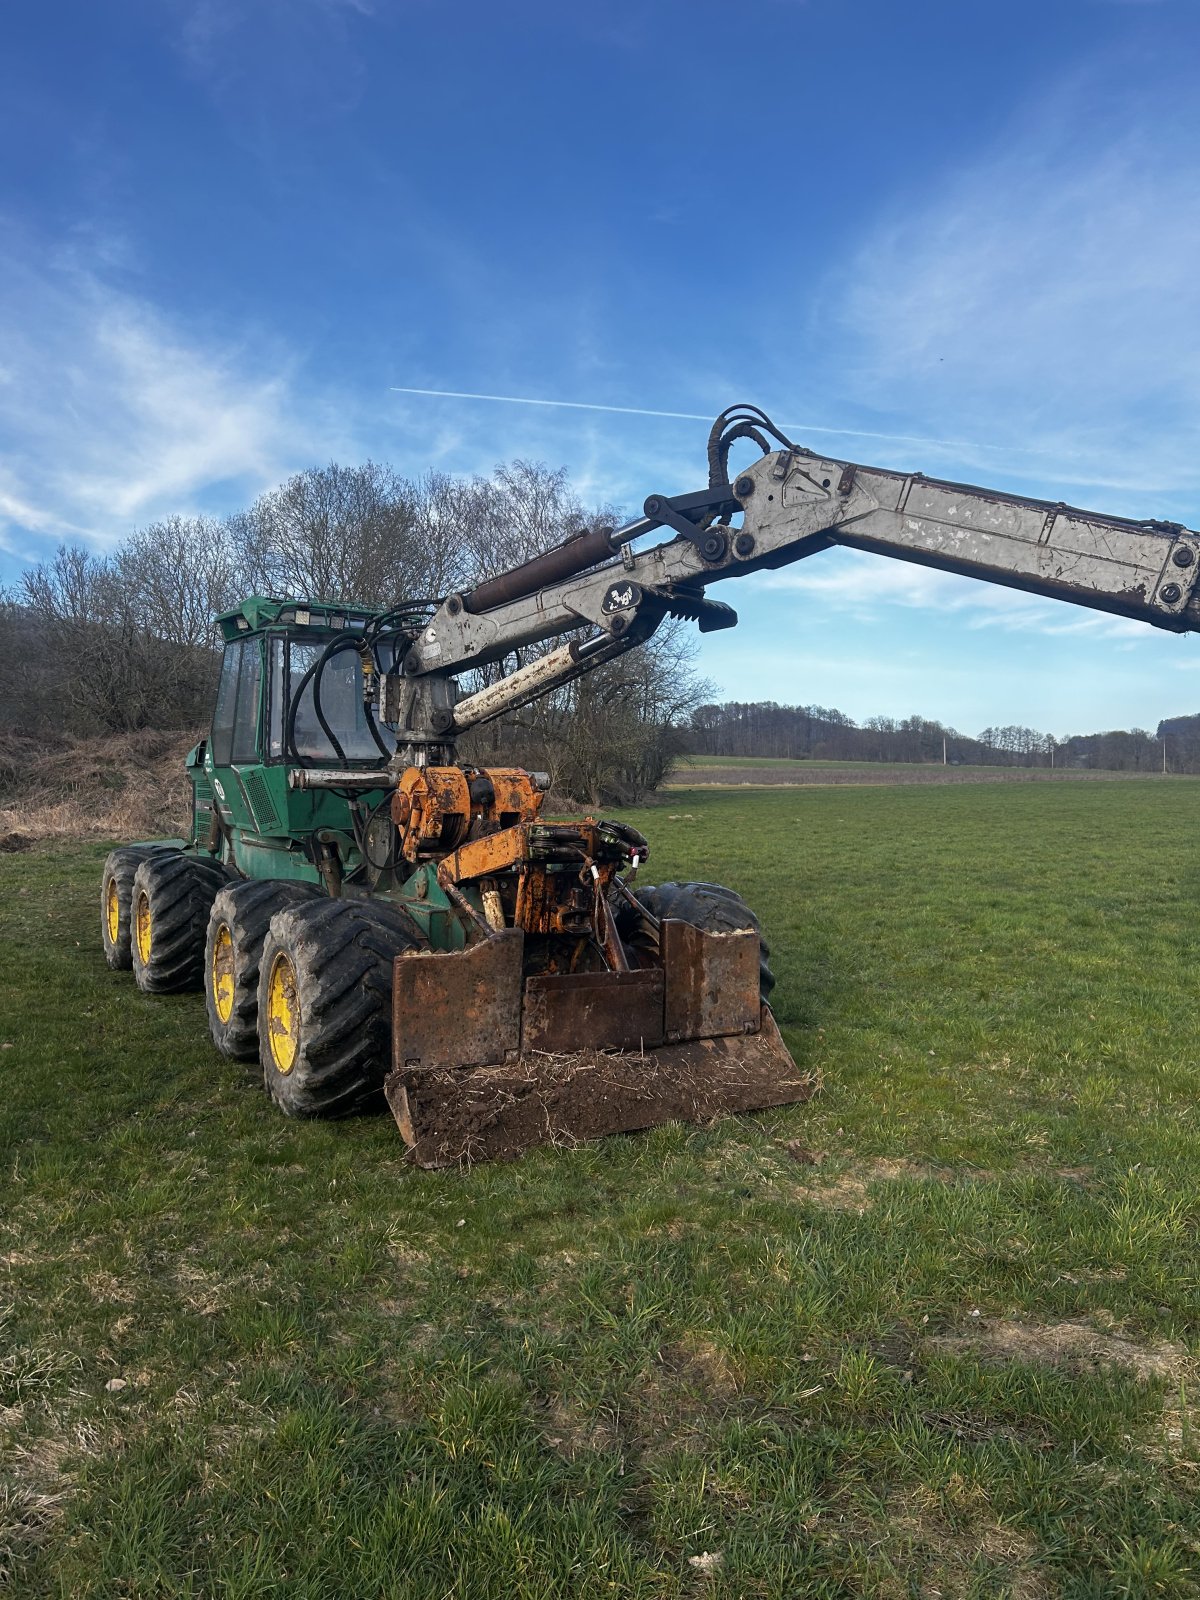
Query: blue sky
(960,238)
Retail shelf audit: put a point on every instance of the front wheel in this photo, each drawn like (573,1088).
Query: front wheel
(325,1004)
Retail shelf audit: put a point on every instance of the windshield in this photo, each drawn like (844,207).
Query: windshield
(341,703)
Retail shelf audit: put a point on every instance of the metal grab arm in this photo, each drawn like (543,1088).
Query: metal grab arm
(795,503)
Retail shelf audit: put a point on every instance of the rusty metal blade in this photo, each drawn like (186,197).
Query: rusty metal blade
(449,1117)
(458,1008)
(712,982)
(598,1010)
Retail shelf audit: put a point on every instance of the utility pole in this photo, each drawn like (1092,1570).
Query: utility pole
(943,749)
(1164,756)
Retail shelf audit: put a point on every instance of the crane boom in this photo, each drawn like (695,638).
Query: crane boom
(1145,570)
(610,594)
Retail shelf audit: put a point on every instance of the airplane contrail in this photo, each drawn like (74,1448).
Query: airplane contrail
(694,416)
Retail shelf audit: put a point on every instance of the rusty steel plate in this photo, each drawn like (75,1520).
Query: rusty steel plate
(593,1011)
(458,1008)
(495,1113)
(712,982)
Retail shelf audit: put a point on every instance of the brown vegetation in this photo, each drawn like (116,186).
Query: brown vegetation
(119,786)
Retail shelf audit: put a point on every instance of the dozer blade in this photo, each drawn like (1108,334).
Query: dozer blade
(452,1116)
(487,1063)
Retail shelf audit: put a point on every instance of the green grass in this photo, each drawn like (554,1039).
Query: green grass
(954,1357)
(801,761)
(699,771)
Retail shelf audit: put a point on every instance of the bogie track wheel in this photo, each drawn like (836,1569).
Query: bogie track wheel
(237,930)
(325,1004)
(116,900)
(172,896)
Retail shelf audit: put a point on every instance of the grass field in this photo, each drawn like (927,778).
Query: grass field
(932,1334)
(704,772)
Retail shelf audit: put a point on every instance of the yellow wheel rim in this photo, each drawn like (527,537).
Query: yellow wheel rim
(141,926)
(221,975)
(112,911)
(283,1013)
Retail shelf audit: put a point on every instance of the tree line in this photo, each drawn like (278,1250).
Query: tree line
(114,643)
(767,730)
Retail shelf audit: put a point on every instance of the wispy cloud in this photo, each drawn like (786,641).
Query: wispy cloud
(864,586)
(305,52)
(112,414)
(804,428)
(1045,296)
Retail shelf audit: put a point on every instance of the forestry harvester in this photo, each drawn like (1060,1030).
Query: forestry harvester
(373,918)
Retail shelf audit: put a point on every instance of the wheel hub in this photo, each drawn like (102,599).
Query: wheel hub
(221,976)
(112,911)
(141,926)
(283,1013)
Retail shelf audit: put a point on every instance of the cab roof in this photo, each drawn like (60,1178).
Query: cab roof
(262,611)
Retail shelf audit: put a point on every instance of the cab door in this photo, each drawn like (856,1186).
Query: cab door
(234,747)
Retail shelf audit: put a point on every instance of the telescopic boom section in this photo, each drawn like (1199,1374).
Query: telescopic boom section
(796,503)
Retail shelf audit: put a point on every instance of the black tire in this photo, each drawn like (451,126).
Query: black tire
(715,909)
(175,893)
(116,898)
(325,1039)
(237,930)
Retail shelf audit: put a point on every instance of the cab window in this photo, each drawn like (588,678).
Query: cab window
(245,720)
(221,743)
(341,702)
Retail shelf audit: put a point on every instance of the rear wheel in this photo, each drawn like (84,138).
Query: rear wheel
(172,896)
(116,900)
(715,909)
(325,1004)
(237,930)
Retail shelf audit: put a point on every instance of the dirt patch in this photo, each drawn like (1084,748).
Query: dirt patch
(109,1289)
(25,1517)
(572,1433)
(199,1290)
(1075,1343)
(13,843)
(704,1367)
(850,1190)
(950,1526)
(32,1493)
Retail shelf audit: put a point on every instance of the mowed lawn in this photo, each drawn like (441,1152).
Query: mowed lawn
(931,1334)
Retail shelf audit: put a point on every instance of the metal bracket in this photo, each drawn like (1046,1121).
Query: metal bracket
(672,511)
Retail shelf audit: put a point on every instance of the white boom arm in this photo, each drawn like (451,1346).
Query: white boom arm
(793,503)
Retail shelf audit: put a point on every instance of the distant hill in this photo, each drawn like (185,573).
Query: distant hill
(1183,742)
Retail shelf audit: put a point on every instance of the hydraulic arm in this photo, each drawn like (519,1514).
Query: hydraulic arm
(611,591)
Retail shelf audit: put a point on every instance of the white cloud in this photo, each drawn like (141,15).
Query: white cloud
(1044,296)
(864,585)
(111,414)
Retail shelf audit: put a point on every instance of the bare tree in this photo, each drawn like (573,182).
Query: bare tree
(110,671)
(134,645)
(335,533)
(178,575)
